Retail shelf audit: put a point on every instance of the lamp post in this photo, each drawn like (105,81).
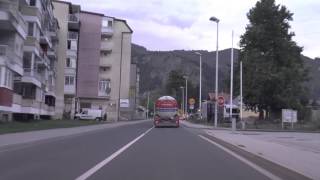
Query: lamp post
(200,84)
(186,96)
(182,99)
(231,90)
(214,19)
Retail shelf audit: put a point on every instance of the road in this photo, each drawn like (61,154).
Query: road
(160,154)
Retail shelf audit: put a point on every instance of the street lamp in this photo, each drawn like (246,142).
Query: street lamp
(200,88)
(186,96)
(182,101)
(214,19)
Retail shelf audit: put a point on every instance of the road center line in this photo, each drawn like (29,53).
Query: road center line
(94,169)
(254,166)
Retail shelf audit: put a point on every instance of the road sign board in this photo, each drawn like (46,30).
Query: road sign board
(220,100)
(192,101)
(124,103)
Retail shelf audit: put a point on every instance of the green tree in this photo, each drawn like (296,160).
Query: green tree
(174,82)
(273,69)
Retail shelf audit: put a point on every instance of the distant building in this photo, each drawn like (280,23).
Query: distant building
(28,39)
(103,63)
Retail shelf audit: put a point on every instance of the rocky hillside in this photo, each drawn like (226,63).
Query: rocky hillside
(156,65)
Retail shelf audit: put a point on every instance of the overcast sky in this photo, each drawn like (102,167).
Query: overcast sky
(184,24)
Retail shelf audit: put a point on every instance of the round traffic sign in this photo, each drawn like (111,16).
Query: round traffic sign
(220,100)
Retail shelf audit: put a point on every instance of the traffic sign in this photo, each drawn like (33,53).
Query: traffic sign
(192,101)
(220,100)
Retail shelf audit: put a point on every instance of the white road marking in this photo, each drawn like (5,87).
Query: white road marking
(254,166)
(94,169)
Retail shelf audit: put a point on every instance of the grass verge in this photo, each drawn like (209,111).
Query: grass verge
(12,127)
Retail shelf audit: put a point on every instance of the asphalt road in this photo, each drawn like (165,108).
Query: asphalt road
(161,154)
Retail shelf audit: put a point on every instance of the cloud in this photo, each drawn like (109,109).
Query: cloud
(184,24)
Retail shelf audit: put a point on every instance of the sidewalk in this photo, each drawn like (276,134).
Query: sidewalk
(299,152)
(33,136)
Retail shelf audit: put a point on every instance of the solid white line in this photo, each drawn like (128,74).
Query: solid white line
(110,158)
(254,166)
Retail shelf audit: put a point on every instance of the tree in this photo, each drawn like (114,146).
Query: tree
(174,83)
(273,70)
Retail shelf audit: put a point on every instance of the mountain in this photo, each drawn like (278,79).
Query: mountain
(156,65)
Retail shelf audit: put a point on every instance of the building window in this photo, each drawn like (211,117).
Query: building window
(68,63)
(33,2)
(104,86)
(8,79)
(69,80)
(31,26)
(72,44)
(107,23)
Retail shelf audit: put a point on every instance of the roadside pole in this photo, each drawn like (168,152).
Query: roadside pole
(148,105)
(231,91)
(241,99)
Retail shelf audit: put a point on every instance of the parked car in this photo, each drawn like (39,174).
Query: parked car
(91,114)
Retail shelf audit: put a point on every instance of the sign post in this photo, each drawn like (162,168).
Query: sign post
(192,101)
(220,100)
(289,116)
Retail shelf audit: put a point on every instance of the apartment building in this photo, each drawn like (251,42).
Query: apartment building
(103,76)
(28,42)
(69,22)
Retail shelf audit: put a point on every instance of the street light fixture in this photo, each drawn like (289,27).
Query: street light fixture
(214,19)
(200,88)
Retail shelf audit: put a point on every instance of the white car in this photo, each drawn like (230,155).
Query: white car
(95,114)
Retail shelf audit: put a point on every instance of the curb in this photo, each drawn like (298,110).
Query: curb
(247,130)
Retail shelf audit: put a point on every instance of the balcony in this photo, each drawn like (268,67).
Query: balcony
(74,21)
(11,18)
(70,89)
(52,54)
(106,32)
(11,59)
(43,60)
(17,99)
(106,45)
(53,30)
(32,11)
(32,44)
(33,77)
(45,38)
